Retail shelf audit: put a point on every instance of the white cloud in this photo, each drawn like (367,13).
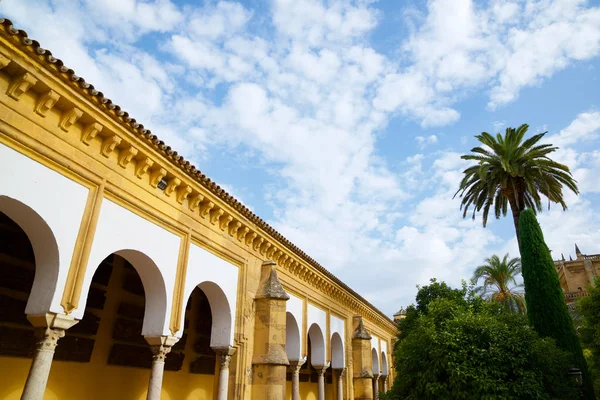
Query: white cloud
(307,100)
(132,18)
(424,141)
(505,46)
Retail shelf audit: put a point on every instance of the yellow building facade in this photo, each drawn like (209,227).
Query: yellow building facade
(577,275)
(128,274)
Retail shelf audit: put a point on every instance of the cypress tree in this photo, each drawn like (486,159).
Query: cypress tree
(546,307)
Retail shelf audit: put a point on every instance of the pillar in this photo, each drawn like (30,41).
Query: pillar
(295,368)
(340,384)
(376,387)
(321,369)
(160,346)
(224,354)
(269,360)
(49,328)
(362,364)
(384,377)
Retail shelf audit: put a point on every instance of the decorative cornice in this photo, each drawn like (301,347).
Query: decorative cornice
(233,218)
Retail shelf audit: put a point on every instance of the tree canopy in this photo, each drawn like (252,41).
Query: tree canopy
(498,275)
(512,171)
(589,331)
(457,346)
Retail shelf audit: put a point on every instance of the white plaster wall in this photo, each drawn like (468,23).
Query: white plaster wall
(374,342)
(337,325)
(60,202)
(316,316)
(294,307)
(153,252)
(204,267)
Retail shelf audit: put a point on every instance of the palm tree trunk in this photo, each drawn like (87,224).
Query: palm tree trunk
(516,212)
(517,202)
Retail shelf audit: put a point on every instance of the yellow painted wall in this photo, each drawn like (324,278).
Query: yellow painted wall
(74,381)
(310,391)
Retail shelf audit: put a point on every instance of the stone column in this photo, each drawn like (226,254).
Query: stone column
(48,329)
(224,354)
(340,384)
(362,364)
(160,346)
(384,377)
(269,360)
(321,369)
(295,368)
(376,387)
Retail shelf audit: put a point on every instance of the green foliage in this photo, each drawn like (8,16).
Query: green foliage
(512,171)
(589,331)
(546,307)
(497,276)
(425,295)
(464,348)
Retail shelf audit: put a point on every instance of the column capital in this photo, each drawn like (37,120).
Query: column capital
(321,368)
(224,353)
(47,338)
(160,346)
(295,365)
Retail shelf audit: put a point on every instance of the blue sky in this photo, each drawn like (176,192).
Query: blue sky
(341,123)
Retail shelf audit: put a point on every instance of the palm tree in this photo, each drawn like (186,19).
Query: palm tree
(497,276)
(510,171)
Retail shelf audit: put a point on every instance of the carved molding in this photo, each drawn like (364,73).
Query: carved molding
(172,185)
(233,228)
(126,155)
(156,176)
(69,118)
(4,61)
(242,233)
(225,221)
(109,144)
(46,102)
(183,193)
(90,131)
(258,243)
(215,215)
(142,167)
(205,208)
(20,85)
(250,238)
(195,201)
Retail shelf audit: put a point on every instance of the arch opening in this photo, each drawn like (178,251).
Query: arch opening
(384,365)
(337,352)
(221,327)
(45,251)
(317,340)
(292,337)
(376,370)
(154,288)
